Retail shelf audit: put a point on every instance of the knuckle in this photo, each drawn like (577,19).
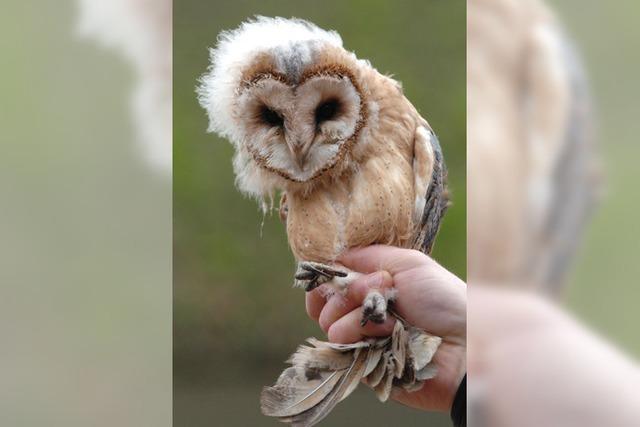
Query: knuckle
(324,322)
(334,334)
(417,255)
(387,279)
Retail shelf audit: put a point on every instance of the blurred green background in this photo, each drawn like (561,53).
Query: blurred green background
(85,233)
(603,290)
(236,317)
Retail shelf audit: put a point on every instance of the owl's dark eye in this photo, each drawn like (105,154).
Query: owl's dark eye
(327,110)
(271,117)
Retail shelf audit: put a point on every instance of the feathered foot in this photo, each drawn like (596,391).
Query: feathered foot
(374,308)
(311,274)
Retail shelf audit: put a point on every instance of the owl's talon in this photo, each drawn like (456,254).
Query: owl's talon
(321,269)
(374,308)
(310,275)
(305,275)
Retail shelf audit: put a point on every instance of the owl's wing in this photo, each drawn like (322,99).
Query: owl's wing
(571,175)
(431,196)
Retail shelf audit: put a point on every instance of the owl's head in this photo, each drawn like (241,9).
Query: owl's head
(290,99)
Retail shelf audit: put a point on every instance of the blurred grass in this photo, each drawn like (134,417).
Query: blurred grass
(236,317)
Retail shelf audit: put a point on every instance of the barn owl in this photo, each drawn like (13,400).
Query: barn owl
(354,161)
(530,146)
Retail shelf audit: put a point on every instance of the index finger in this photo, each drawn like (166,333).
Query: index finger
(382,257)
(315,302)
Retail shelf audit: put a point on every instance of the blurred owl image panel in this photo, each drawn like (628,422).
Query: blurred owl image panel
(353,164)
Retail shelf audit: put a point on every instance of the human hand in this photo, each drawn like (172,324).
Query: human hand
(428,297)
(532,364)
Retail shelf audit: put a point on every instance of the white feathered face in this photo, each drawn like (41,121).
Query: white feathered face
(299,131)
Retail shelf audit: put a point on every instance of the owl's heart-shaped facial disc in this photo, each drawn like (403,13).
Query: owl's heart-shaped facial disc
(299,130)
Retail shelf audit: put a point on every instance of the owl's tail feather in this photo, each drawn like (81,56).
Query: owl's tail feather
(322,373)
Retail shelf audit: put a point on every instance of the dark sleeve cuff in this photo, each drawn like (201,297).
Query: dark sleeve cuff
(459,407)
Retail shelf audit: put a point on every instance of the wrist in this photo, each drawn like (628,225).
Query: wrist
(458,411)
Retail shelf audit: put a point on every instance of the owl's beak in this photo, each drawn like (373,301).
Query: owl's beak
(299,153)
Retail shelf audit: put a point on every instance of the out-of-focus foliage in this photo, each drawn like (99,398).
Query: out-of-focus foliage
(236,317)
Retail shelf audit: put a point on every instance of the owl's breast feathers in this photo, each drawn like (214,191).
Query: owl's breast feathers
(373,201)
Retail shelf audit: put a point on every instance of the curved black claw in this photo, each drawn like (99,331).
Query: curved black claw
(310,274)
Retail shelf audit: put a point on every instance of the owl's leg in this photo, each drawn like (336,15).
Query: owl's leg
(311,274)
